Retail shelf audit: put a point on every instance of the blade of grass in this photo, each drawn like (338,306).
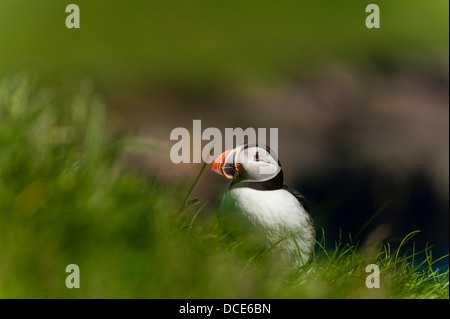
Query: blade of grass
(183,205)
(195,215)
(371,219)
(404,241)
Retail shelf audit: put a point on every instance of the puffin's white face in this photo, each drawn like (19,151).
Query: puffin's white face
(255,164)
(250,163)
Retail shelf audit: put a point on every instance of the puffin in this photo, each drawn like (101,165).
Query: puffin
(259,209)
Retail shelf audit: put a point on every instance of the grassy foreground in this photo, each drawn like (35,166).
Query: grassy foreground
(66,199)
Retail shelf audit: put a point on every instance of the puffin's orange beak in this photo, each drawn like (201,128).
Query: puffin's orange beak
(223,165)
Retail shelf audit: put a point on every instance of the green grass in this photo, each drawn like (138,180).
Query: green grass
(66,197)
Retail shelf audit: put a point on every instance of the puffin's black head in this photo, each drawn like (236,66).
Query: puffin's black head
(250,165)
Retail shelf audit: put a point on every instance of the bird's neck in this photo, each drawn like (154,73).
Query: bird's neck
(271,184)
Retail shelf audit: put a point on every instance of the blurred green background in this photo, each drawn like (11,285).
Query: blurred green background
(86,114)
(212,41)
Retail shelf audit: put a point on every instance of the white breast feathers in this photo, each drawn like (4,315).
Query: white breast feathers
(269,219)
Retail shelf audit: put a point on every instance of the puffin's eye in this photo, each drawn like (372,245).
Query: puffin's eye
(256,158)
